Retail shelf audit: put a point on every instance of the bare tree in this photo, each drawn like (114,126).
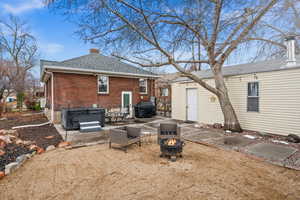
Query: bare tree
(147,30)
(19,48)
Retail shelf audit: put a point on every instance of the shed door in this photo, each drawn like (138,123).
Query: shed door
(192,104)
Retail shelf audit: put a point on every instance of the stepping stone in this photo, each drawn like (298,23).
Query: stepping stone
(233,141)
(271,151)
(202,136)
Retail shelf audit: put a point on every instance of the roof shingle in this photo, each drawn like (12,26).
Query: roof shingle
(248,68)
(94,61)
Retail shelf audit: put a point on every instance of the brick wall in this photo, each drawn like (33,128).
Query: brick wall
(78,90)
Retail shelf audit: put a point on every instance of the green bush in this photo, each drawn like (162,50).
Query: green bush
(37,106)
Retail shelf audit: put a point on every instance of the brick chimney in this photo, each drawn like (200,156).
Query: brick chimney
(94,50)
(290,48)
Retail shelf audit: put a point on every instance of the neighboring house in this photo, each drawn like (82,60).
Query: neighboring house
(11,99)
(94,80)
(163,93)
(265,95)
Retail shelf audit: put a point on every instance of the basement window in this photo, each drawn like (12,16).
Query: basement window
(143,85)
(103,84)
(253,97)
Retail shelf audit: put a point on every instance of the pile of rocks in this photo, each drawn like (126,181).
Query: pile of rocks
(14,151)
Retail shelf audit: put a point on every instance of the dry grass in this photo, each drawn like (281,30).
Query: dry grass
(100,173)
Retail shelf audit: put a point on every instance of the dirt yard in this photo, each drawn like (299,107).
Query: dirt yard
(97,172)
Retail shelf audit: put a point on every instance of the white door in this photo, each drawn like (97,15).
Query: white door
(191,104)
(127,102)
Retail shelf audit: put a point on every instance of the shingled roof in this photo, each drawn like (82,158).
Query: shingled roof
(249,68)
(96,62)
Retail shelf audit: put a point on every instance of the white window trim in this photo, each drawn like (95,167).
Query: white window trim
(98,84)
(253,97)
(146,92)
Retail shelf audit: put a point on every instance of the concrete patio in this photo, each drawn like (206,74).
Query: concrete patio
(279,154)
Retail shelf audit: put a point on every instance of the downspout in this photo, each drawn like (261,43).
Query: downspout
(52,97)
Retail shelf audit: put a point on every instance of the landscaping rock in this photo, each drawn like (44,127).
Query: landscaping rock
(293,138)
(50,137)
(217,125)
(29,155)
(2,152)
(50,148)
(2,144)
(21,159)
(19,141)
(27,142)
(279,142)
(2,174)
(11,167)
(40,150)
(5,138)
(252,137)
(63,144)
(201,125)
(33,147)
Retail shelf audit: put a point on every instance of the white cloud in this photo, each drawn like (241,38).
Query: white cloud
(51,48)
(23,6)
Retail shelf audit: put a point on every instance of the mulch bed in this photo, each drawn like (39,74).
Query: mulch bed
(43,136)
(19,120)
(12,152)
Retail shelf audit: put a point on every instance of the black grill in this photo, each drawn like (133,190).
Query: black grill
(145,110)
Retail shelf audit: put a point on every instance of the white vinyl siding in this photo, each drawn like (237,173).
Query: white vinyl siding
(279,102)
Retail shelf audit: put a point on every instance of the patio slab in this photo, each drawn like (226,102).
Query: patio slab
(232,142)
(202,135)
(271,151)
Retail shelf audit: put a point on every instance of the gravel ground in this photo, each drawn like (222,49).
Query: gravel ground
(98,172)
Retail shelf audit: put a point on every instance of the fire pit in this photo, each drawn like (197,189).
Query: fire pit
(171,148)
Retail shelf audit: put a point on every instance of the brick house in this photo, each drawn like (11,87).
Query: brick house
(163,93)
(93,80)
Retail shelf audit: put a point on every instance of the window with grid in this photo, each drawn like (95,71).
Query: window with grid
(253,97)
(103,86)
(164,92)
(143,86)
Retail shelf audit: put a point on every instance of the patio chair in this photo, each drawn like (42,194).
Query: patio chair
(125,137)
(168,130)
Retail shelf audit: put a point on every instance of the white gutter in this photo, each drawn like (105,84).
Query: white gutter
(93,71)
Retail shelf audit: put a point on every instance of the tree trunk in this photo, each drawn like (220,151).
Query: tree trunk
(231,121)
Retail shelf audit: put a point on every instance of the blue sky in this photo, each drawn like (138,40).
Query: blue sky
(55,35)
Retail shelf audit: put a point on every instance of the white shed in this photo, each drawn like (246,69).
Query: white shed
(265,95)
